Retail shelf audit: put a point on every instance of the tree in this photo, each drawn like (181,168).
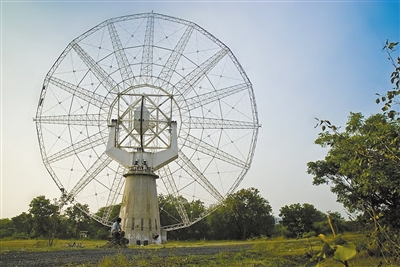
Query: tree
(77,220)
(244,214)
(363,164)
(22,224)
(219,221)
(200,229)
(363,167)
(169,215)
(6,229)
(98,230)
(300,219)
(333,224)
(391,96)
(45,218)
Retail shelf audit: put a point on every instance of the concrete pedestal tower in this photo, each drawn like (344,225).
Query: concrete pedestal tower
(139,209)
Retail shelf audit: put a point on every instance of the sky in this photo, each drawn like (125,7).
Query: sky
(305,59)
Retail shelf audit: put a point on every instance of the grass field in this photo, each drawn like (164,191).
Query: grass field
(264,252)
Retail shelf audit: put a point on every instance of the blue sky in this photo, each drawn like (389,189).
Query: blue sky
(305,59)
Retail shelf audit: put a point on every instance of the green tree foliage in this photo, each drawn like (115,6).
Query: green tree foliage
(300,219)
(338,224)
(199,230)
(6,228)
(340,250)
(77,220)
(45,218)
(391,96)
(169,215)
(22,225)
(244,214)
(114,212)
(98,230)
(363,166)
(220,224)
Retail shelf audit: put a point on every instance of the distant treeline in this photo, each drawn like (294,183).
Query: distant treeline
(244,214)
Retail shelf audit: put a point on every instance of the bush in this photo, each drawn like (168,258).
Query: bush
(7,232)
(111,261)
(20,236)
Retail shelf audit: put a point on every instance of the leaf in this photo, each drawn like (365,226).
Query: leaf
(392,45)
(323,238)
(377,101)
(311,264)
(345,252)
(339,238)
(323,127)
(326,248)
(309,234)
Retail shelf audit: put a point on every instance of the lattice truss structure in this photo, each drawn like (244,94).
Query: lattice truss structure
(186,75)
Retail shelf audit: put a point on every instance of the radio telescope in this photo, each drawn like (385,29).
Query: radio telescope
(151,95)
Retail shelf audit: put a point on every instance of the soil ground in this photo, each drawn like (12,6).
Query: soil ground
(75,257)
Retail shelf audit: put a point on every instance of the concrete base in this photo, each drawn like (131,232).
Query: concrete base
(139,209)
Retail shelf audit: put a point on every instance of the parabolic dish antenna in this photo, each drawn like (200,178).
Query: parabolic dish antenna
(169,69)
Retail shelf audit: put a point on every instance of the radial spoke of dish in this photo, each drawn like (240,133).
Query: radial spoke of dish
(100,74)
(81,119)
(170,66)
(210,123)
(187,83)
(186,164)
(201,146)
(115,192)
(172,189)
(97,139)
(86,95)
(217,95)
(126,71)
(99,165)
(147,56)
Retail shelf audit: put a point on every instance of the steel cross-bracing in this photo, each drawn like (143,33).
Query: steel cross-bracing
(80,119)
(83,145)
(173,190)
(86,95)
(182,73)
(171,64)
(203,147)
(188,82)
(186,164)
(208,123)
(147,58)
(126,72)
(115,192)
(96,69)
(217,95)
(99,165)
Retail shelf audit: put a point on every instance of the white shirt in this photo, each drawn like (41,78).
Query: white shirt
(115,227)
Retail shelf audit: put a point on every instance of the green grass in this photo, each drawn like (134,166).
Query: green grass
(42,245)
(263,252)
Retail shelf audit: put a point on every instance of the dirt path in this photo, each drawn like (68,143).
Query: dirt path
(75,257)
